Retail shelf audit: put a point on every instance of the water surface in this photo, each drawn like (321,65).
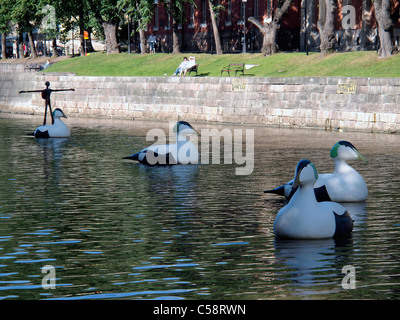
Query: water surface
(114,229)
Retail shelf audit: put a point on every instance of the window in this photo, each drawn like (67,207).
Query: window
(191,18)
(228,21)
(156,18)
(204,13)
(168,20)
(255,13)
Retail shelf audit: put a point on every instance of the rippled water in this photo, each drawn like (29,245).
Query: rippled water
(115,229)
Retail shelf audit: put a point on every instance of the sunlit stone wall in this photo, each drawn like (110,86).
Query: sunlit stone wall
(366,104)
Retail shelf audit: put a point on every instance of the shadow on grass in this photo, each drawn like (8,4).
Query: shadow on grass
(202,74)
(239,76)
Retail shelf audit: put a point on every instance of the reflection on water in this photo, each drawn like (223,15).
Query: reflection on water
(308,259)
(114,229)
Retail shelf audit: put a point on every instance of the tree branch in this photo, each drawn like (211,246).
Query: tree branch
(282,10)
(256,23)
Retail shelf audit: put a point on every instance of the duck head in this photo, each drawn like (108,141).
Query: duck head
(305,174)
(183,125)
(345,150)
(58,113)
(182,129)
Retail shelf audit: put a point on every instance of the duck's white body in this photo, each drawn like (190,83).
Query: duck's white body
(306,218)
(181,152)
(345,184)
(56,130)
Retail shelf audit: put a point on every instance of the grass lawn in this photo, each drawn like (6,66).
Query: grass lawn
(348,64)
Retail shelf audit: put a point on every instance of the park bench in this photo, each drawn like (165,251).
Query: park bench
(193,69)
(237,67)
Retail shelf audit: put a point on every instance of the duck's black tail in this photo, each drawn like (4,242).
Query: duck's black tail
(285,190)
(279,191)
(344,224)
(40,134)
(134,156)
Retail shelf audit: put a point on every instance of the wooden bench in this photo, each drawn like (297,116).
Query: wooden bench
(237,67)
(193,69)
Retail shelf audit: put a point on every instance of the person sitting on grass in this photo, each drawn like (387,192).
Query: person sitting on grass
(181,67)
(191,63)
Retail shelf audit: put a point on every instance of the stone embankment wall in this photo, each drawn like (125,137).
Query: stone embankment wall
(366,104)
(12,80)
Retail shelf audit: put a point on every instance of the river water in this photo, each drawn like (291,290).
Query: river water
(113,229)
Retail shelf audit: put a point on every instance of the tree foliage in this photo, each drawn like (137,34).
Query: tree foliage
(103,17)
(5,24)
(176,9)
(5,15)
(140,11)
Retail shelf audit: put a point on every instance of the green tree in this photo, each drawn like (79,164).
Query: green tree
(47,11)
(77,13)
(108,16)
(214,10)
(27,16)
(5,20)
(144,14)
(141,11)
(56,12)
(176,9)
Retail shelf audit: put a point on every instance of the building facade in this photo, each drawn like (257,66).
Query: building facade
(355,29)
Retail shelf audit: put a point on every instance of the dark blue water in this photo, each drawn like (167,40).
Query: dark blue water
(113,229)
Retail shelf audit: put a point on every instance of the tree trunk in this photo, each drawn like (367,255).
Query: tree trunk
(21,44)
(32,45)
(270,39)
(142,41)
(385,27)
(270,30)
(110,32)
(175,38)
(217,40)
(386,45)
(55,52)
(89,46)
(81,29)
(82,43)
(326,25)
(3,46)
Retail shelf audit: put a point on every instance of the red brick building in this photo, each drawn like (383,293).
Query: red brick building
(298,26)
